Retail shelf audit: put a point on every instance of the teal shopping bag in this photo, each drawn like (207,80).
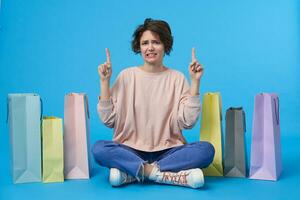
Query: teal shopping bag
(24,120)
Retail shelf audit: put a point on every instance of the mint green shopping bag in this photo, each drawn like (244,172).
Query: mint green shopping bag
(24,120)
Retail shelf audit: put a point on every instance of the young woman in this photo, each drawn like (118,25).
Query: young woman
(148,107)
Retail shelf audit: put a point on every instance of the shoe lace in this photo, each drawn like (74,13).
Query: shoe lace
(177,178)
(127,178)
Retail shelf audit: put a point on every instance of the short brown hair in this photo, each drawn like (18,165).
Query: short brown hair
(160,27)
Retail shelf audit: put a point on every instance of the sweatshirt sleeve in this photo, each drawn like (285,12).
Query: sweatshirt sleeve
(107,112)
(108,109)
(189,107)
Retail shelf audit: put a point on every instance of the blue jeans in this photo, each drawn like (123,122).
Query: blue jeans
(113,155)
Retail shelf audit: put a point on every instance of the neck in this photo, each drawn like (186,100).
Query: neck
(148,67)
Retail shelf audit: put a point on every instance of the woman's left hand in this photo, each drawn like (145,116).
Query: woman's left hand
(195,68)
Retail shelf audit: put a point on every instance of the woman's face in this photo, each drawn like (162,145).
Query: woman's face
(152,49)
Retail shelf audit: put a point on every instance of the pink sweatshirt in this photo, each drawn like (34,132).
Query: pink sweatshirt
(149,110)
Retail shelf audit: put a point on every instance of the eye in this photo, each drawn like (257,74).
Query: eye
(144,43)
(156,42)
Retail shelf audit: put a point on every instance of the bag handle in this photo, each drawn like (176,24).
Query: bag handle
(244,120)
(276,103)
(7,109)
(87,106)
(220,105)
(41,108)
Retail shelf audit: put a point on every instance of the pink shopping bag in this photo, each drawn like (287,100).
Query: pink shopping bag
(76,137)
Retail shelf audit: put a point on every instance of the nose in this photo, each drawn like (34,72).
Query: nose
(151,47)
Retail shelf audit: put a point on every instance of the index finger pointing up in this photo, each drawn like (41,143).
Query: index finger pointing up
(107,55)
(193,54)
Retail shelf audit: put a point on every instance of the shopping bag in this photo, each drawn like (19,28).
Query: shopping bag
(52,148)
(76,136)
(235,147)
(24,120)
(266,163)
(211,131)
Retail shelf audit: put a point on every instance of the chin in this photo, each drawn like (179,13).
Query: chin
(152,61)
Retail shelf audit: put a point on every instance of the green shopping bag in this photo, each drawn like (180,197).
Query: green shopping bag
(52,141)
(211,130)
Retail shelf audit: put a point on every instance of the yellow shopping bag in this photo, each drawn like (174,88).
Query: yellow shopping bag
(211,130)
(52,140)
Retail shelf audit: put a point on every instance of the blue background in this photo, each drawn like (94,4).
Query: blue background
(53,47)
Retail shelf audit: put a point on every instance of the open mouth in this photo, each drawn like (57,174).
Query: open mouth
(151,55)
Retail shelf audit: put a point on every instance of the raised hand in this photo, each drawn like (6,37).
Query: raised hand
(105,70)
(195,68)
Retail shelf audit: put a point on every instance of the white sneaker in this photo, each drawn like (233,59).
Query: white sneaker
(117,177)
(189,178)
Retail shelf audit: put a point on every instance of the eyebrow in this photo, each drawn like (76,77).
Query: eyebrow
(151,40)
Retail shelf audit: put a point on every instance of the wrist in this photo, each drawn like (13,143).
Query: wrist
(104,82)
(195,81)
(195,85)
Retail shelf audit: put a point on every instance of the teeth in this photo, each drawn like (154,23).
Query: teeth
(151,54)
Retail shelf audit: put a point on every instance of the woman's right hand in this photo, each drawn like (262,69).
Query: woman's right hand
(105,70)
